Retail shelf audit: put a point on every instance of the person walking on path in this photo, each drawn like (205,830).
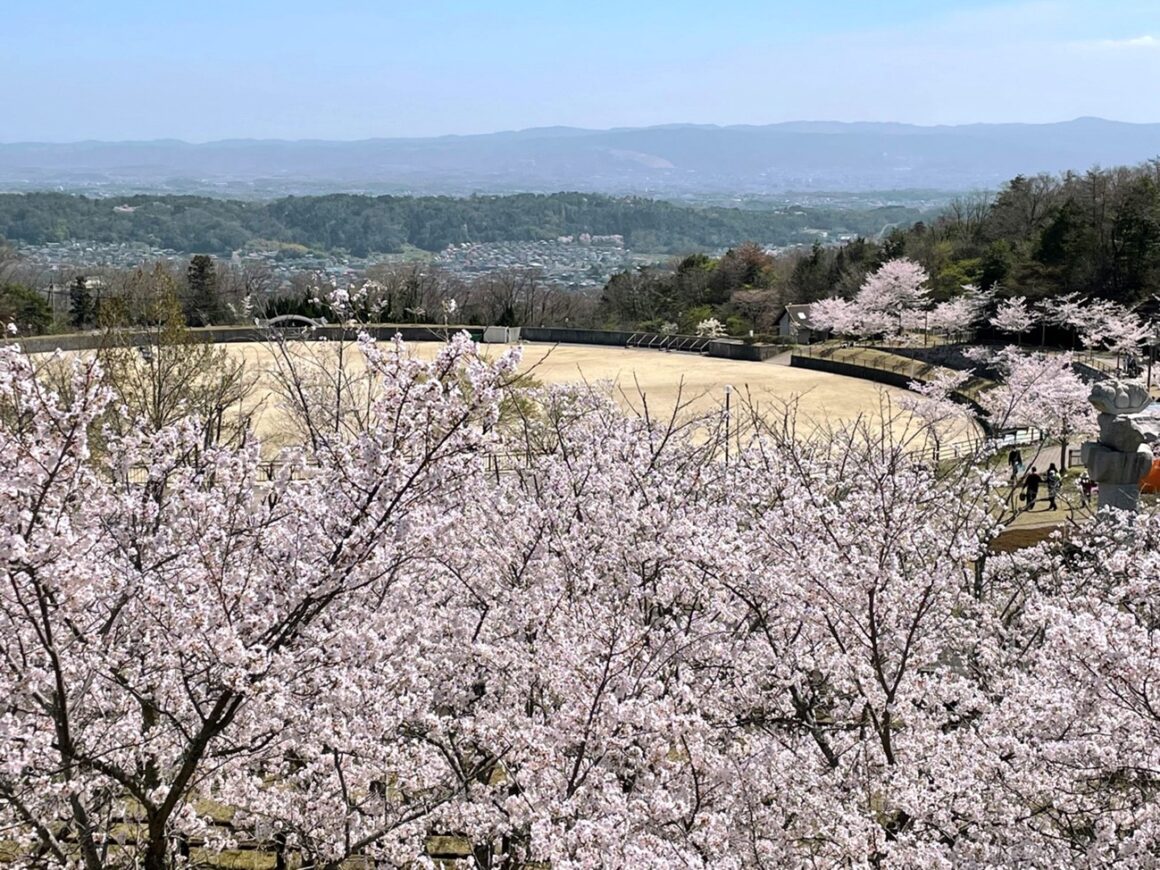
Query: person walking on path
(1015,461)
(1031,487)
(1086,485)
(1054,482)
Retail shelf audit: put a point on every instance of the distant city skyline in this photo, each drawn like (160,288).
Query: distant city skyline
(357,69)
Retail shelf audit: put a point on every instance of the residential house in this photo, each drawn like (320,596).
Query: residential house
(794,325)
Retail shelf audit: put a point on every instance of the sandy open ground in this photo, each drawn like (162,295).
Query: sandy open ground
(822,398)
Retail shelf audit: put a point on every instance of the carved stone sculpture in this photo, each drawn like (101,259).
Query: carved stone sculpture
(1122,456)
(1120,397)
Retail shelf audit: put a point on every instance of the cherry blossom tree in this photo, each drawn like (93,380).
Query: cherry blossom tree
(158,639)
(1098,323)
(1113,327)
(887,298)
(895,287)
(1126,334)
(1074,313)
(1015,316)
(1078,691)
(834,314)
(620,651)
(958,316)
(1094,321)
(935,402)
(1064,310)
(1040,391)
(711,328)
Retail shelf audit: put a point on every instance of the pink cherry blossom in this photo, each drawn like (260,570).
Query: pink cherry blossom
(563,633)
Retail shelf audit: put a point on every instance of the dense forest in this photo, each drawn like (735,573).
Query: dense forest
(1096,234)
(363,225)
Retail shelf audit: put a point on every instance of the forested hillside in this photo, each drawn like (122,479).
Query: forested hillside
(1095,234)
(361,225)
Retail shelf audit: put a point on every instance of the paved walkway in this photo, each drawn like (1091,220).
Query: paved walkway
(1069,504)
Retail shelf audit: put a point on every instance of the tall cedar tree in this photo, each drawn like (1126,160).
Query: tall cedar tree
(203,305)
(81,307)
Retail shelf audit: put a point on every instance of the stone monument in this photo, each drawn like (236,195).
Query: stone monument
(1123,455)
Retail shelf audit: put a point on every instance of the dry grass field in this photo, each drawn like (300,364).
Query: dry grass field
(659,379)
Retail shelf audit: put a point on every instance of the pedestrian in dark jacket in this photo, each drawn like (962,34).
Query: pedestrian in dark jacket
(1015,461)
(1086,485)
(1031,487)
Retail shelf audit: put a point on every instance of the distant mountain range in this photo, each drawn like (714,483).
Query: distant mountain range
(665,161)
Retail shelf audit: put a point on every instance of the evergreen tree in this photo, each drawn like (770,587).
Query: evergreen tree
(810,280)
(81,308)
(203,305)
(25,309)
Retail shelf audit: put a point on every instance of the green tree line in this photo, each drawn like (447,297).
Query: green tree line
(1095,233)
(363,225)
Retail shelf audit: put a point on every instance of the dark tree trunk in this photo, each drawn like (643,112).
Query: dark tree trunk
(156,852)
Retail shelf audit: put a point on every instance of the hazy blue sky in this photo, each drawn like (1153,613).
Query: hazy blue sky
(349,69)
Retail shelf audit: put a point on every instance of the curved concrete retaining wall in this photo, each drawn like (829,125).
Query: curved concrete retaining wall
(231,334)
(566,335)
(49,343)
(850,370)
(881,376)
(725,349)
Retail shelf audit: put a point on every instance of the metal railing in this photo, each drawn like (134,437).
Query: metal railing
(867,357)
(967,447)
(659,341)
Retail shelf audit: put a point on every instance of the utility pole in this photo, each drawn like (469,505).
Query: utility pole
(728,395)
